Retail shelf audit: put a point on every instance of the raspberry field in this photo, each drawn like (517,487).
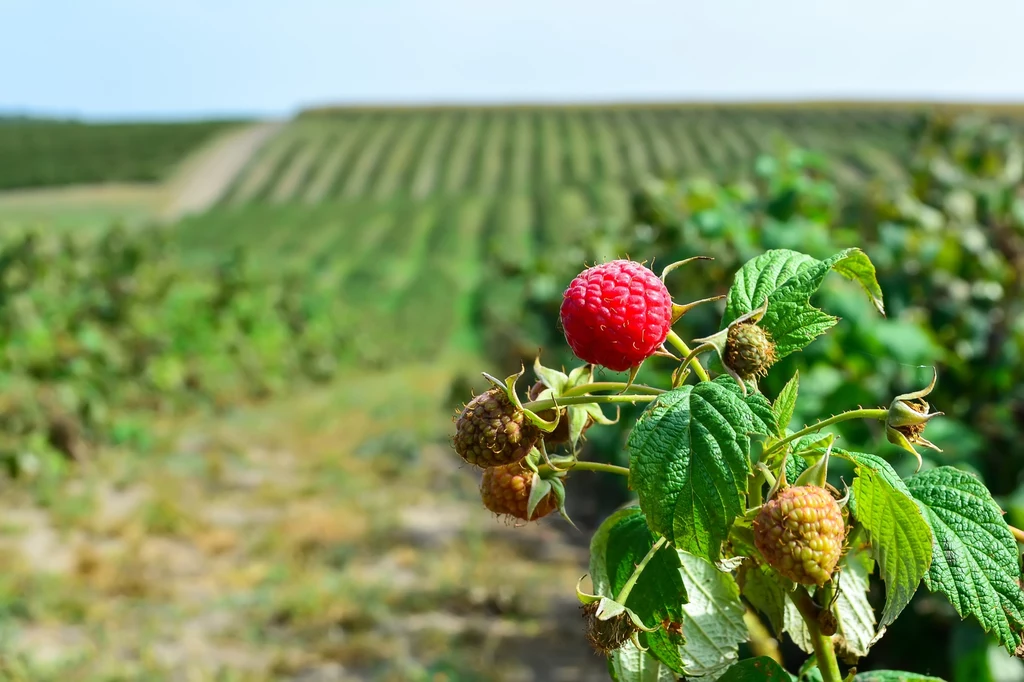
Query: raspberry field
(265,490)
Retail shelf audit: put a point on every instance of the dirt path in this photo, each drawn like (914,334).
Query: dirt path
(203,179)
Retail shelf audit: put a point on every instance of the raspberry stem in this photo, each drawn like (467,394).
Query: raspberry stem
(863,413)
(548,403)
(584,389)
(824,653)
(586,466)
(681,346)
(628,587)
(1018,534)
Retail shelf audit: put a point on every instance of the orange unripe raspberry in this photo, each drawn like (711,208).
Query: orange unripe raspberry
(800,533)
(506,490)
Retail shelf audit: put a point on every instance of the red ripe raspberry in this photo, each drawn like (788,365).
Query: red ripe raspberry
(616,314)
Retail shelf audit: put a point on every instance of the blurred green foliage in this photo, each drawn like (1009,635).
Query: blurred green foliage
(97,333)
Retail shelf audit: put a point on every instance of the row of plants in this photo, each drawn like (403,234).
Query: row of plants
(99,335)
(43,153)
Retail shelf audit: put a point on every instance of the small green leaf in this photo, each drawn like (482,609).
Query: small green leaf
(976,564)
(760,669)
(788,279)
(893,676)
(713,622)
(853,610)
(900,536)
(617,547)
(689,464)
(785,402)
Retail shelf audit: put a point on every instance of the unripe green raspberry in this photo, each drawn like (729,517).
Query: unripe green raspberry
(749,350)
(492,431)
(800,533)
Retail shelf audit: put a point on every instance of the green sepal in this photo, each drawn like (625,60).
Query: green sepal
(539,489)
(510,389)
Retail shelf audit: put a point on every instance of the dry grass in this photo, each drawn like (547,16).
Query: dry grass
(294,540)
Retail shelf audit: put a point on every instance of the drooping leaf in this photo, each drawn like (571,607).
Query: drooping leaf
(796,628)
(629,664)
(853,611)
(893,676)
(760,669)
(689,464)
(785,402)
(900,536)
(617,547)
(713,619)
(975,565)
(788,279)
(762,588)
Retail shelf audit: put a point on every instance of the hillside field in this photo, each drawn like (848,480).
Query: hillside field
(276,497)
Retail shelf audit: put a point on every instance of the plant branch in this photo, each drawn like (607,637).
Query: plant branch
(1018,534)
(584,389)
(628,587)
(588,466)
(548,403)
(823,651)
(754,489)
(863,413)
(681,346)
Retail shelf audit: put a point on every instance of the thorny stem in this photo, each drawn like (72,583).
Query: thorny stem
(863,413)
(590,466)
(681,346)
(541,405)
(1018,534)
(584,389)
(823,651)
(628,587)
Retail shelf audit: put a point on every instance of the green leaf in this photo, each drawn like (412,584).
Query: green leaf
(796,628)
(893,676)
(689,464)
(785,402)
(629,664)
(713,619)
(900,536)
(758,404)
(617,547)
(788,279)
(762,588)
(760,669)
(976,565)
(853,610)
(767,592)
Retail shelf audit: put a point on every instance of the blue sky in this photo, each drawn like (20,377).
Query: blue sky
(179,58)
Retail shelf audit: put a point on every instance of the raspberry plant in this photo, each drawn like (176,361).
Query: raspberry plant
(737,532)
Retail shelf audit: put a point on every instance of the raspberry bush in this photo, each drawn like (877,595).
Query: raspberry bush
(739,535)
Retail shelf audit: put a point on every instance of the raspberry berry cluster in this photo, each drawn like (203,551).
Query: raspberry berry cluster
(615,317)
